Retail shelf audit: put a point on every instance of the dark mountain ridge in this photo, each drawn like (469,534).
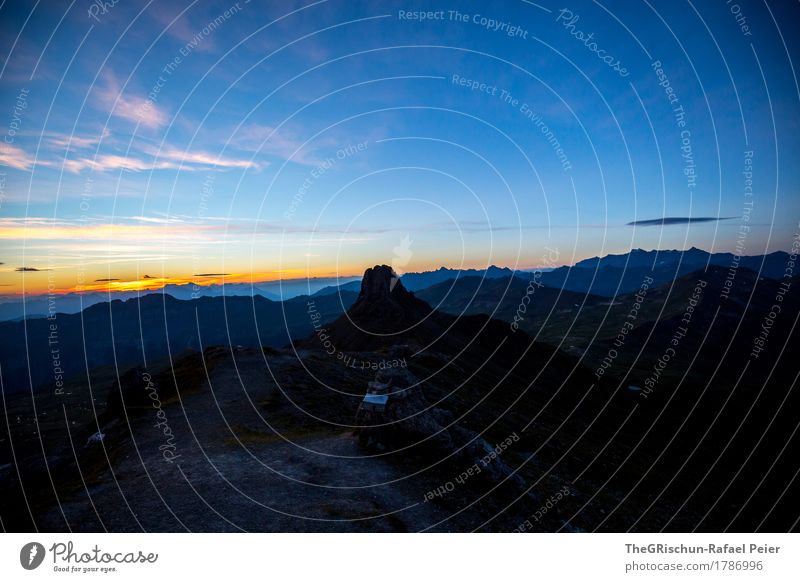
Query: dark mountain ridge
(676,460)
(152,327)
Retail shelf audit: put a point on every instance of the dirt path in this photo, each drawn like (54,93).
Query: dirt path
(231,472)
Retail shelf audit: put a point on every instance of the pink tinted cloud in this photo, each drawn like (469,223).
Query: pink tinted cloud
(15,157)
(130,107)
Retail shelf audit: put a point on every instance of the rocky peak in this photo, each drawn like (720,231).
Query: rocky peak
(379,283)
(384,314)
(384,301)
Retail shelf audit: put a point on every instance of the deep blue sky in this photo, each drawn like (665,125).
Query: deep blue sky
(208,174)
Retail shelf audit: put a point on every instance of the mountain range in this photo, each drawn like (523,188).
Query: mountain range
(671,435)
(12,307)
(608,276)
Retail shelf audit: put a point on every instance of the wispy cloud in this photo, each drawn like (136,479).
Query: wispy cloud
(149,159)
(62,140)
(29,270)
(105,163)
(130,107)
(15,157)
(196,159)
(671,220)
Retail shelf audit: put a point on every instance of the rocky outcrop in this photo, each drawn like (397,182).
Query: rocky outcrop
(408,420)
(411,425)
(385,314)
(384,306)
(378,284)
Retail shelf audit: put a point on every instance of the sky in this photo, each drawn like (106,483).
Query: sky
(147,143)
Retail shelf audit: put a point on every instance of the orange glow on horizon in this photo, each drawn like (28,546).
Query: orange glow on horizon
(156,283)
(42,283)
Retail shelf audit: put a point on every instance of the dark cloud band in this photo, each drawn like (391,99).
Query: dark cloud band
(670,220)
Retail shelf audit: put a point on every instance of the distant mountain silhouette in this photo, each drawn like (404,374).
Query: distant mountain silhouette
(619,274)
(722,324)
(152,327)
(606,276)
(425,279)
(773,263)
(169,325)
(354,286)
(416,281)
(13,307)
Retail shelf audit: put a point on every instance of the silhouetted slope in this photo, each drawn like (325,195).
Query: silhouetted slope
(502,298)
(152,327)
(717,331)
(619,274)
(386,314)
(709,448)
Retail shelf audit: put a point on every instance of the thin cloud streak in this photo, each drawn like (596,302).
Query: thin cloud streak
(673,220)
